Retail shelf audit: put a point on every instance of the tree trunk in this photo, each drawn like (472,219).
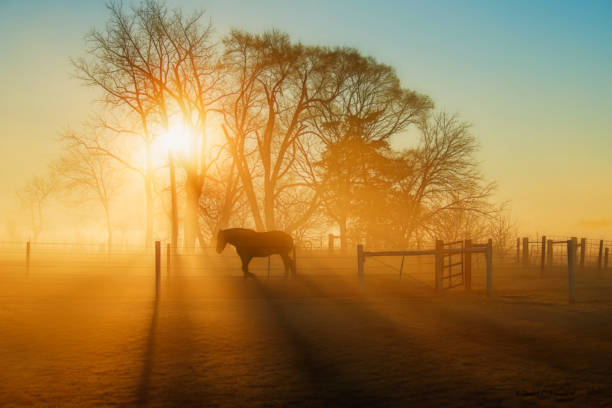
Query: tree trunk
(38,226)
(191,223)
(109,229)
(343,237)
(149,211)
(148,179)
(269,206)
(174,210)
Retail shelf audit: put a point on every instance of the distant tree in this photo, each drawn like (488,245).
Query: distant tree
(223,201)
(357,183)
(34,197)
(88,174)
(457,225)
(502,230)
(444,179)
(356,127)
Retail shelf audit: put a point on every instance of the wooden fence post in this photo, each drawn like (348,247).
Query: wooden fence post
(28,258)
(489,260)
(330,242)
(439,267)
(360,262)
(606,259)
(401,267)
(583,242)
(518,250)
(525,251)
(599,259)
(549,252)
(571,262)
(543,255)
(294,262)
(268,266)
(157,267)
(467,265)
(168,257)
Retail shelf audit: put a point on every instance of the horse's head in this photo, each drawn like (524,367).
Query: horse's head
(221,242)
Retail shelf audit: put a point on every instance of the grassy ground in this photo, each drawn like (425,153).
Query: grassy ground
(85,333)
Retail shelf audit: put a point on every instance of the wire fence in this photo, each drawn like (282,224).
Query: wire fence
(591,253)
(66,259)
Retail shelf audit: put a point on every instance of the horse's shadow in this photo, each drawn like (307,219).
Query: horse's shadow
(327,385)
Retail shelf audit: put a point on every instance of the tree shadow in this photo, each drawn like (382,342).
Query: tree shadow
(399,363)
(325,384)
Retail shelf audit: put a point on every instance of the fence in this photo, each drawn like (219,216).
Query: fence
(440,252)
(547,252)
(447,265)
(156,263)
(63,258)
(451,263)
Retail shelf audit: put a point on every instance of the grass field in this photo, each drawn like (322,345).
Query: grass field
(85,331)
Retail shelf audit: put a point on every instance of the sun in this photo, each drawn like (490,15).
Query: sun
(176,139)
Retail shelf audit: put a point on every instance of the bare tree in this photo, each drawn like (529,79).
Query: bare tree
(275,84)
(159,65)
(88,174)
(444,176)
(502,230)
(33,197)
(114,67)
(223,199)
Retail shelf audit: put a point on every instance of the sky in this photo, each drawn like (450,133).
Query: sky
(533,78)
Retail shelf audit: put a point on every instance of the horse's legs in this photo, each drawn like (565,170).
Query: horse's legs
(289,265)
(286,262)
(246,259)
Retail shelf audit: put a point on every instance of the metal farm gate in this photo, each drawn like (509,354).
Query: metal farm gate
(452,269)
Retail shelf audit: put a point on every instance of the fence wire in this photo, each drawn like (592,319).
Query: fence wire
(592,257)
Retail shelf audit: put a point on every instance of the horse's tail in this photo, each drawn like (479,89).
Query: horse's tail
(292,257)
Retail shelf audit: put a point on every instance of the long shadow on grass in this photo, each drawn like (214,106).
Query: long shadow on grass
(142,392)
(494,337)
(327,385)
(170,349)
(402,364)
(542,346)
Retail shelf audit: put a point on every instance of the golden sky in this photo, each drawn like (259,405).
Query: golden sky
(535,80)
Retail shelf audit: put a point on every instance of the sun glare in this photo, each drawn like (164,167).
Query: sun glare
(176,139)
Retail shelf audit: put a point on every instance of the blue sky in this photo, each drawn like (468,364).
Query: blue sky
(534,78)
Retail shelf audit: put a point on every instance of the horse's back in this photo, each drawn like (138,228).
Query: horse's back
(261,243)
(276,238)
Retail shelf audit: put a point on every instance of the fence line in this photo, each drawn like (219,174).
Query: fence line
(548,250)
(440,252)
(591,252)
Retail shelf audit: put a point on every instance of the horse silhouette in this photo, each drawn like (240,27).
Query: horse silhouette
(250,244)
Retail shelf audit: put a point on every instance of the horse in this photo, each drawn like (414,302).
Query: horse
(250,244)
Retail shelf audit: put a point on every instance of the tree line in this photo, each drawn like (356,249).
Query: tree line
(278,135)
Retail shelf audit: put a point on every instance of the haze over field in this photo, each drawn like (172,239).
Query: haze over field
(315,203)
(534,79)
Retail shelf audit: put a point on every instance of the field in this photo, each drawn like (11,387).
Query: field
(88,330)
